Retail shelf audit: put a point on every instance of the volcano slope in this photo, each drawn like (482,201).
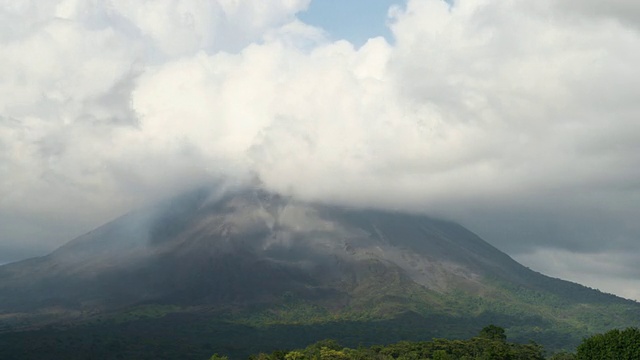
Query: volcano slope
(247,271)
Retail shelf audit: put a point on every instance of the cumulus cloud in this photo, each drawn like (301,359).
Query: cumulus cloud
(72,145)
(517,118)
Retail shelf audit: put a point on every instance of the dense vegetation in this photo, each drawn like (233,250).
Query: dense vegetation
(196,336)
(490,344)
(173,332)
(613,345)
(150,333)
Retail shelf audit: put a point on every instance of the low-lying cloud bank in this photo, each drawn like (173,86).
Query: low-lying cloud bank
(518,118)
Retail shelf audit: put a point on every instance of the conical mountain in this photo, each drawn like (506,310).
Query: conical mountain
(257,255)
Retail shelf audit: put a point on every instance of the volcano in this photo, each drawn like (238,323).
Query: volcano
(254,258)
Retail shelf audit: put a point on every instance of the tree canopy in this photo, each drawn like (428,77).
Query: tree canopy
(490,344)
(612,345)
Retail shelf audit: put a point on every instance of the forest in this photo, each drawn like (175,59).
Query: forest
(490,344)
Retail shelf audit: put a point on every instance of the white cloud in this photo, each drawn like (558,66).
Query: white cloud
(73,147)
(483,111)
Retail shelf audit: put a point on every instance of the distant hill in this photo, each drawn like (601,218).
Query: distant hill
(250,260)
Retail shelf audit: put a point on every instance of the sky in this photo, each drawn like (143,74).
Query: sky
(518,119)
(353,20)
